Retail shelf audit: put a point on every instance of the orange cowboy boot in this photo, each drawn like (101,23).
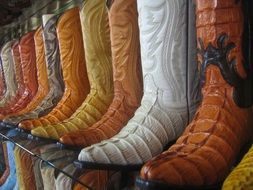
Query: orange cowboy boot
(204,154)
(54,71)
(127,77)
(94,17)
(43,87)
(28,62)
(74,71)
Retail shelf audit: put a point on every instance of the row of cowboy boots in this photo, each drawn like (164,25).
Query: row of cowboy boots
(221,125)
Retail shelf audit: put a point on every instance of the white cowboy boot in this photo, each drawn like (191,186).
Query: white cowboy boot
(170,93)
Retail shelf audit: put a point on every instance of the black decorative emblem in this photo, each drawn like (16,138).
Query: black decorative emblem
(219,56)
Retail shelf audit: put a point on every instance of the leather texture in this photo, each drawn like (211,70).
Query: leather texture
(28,62)
(9,74)
(6,172)
(127,77)
(74,71)
(205,152)
(54,71)
(163,113)
(242,176)
(94,20)
(42,78)
(2,79)
(11,178)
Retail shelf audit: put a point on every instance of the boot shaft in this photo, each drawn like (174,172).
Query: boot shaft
(8,68)
(52,54)
(167,40)
(223,36)
(97,45)
(72,52)
(28,62)
(40,62)
(17,63)
(124,32)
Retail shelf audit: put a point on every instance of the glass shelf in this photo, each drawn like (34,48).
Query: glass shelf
(25,141)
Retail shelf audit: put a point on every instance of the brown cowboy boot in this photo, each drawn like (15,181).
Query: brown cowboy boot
(127,77)
(99,66)
(206,151)
(74,70)
(28,62)
(42,77)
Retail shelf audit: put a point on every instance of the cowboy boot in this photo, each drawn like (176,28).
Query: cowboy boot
(164,111)
(9,74)
(99,66)
(28,62)
(54,71)
(126,74)
(2,80)
(42,78)
(74,70)
(18,74)
(206,151)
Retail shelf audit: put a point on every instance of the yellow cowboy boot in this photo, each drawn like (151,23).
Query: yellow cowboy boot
(98,59)
(74,70)
(43,87)
(127,77)
(242,176)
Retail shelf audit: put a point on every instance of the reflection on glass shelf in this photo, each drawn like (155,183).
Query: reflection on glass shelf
(35,156)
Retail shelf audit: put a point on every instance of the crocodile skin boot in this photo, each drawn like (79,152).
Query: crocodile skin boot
(208,148)
(126,74)
(2,80)
(9,74)
(28,62)
(42,77)
(99,65)
(73,67)
(54,71)
(164,112)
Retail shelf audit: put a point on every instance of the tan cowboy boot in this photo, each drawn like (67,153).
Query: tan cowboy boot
(209,146)
(43,87)
(54,71)
(127,77)
(2,80)
(98,60)
(9,74)
(74,70)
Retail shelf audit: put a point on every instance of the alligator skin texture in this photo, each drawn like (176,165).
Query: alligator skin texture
(205,152)
(28,62)
(6,173)
(242,176)
(74,71)
(97,179)
(163,113)
(43,87)
(126,73)
(2,80)
(95,25)
(9,74)
(54,72)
